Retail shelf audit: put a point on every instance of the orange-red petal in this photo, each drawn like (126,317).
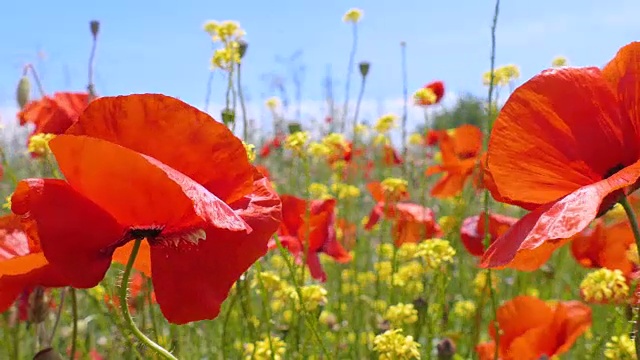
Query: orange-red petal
(538,233)
(176,134)
(559,131)
(75,233)
(137,190)
(192,282)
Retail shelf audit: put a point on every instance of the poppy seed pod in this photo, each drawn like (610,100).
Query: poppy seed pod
(47,354)
(228,117)
(364,68)
(94,25)
(38,305)
(242,48)
(23,92)
(446,349)
(294,127)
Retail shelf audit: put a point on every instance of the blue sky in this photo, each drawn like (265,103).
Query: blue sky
(159,46)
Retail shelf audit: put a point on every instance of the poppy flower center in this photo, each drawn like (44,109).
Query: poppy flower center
(613,171)
(145,233)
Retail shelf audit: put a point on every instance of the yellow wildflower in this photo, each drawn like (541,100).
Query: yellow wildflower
(225,58)
(319,191)
(361,129)
(39,143)
(344,191)
(408,251)
(313,296)
(227,31)
(261,350)
(381,139)
(384,269)
(559,61)
(620,348)
(393,345)
(480,281)
(211,27)
(604,285)
(352,15)
(273,103)
(436,252)
(447,223)
(385,250)
(385,123)
(424,96)
(464,309)
(416,139)
(335,141)
(269,280)
(297,141)
(394,188)
(251,151)
(7,203)
(632,254)
(401,314)
(319,150)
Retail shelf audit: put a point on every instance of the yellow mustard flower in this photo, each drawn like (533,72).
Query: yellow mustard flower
(604,285)
(620,348)
(39,143)
(401,314)
(352,16)
(393,345)
(559,61)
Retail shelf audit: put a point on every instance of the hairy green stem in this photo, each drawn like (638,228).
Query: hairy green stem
(633,221)
(124,307)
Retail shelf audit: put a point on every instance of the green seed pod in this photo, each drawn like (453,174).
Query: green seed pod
(23,93)
(94,26)
(364,68)
(47,354)
(228,117)
(242,48)
(294,127)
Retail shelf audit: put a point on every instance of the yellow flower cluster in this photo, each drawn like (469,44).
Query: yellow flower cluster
(313,297)
(7,202)
(393,345)
(273,103)
(401,314)
(416,139)
(394,188)
(261,350)
(297,142)
(424,96)
(604,285)
(502,75)
(559,61)
(319,191)
(229,34)
(385,123)
(251,151)
(361,129)
(345,191)
(632,254)
(480,282)
(464,309)
(620,348)
(435,253)
(39,143)
(352,16)
(269,281)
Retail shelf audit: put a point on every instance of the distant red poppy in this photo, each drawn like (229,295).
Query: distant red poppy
(605,246)
(319,228)
(532,329)
(412,223)
(433,137)
(460,158)
(54,114)
(566,146)
(167,173)
(472,231)
(270,145)
(22,265)
(438,89)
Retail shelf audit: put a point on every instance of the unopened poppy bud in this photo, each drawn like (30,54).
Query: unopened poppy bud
(38,308)
(228,117)
(364,68)
(23,92)
(94,25)
(242,48)
(294,127)
(446,349)
(47,354)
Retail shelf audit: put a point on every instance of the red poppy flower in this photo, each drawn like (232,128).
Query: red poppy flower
(22,263)
(167,173)
(269,145)
(432,137)
(531,329)
(605,246)
(54,115)
(566,146)
(412,223)
(460,158)
(472,231)
(319,228)
(438,89)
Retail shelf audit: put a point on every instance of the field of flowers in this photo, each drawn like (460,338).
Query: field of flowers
(140,227)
